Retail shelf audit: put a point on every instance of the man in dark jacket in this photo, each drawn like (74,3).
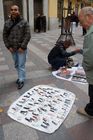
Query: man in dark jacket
(38,23)
(16,35)
(58,56)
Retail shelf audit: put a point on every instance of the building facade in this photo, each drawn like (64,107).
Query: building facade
(52,9)
(29,10)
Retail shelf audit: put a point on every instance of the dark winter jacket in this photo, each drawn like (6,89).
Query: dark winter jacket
(59,51)
(16,34)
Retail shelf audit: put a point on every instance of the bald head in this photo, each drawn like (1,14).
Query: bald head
(87,11)
(86,17)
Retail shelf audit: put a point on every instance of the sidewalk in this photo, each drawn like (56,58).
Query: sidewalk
(75,125)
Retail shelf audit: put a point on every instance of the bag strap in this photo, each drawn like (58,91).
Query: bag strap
(14,24)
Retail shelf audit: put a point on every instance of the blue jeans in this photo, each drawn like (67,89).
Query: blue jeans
(19,61)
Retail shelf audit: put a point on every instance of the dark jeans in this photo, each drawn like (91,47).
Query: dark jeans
(89,106)
(57,63)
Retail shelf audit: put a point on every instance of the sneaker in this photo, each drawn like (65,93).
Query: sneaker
(51,69)
(20,85)
(83,112)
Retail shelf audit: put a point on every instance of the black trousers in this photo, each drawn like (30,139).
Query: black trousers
(89,106)
(57,63)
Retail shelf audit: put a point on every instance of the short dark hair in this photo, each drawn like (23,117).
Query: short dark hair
(14,5)
(67,42)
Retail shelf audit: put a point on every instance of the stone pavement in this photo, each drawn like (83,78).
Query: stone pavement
(75,127)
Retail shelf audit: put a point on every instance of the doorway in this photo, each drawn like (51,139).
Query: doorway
(38,9)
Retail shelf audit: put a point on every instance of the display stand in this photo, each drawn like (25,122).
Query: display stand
(66,29)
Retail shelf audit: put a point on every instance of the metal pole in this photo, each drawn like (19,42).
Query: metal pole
(64,35)
(62,20)
(69,7)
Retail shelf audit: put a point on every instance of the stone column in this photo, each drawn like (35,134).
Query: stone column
(1,15)
(25,9)
(45,11)
(53,20)
(31,14)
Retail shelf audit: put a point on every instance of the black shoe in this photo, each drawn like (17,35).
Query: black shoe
(17,81)
(20,85)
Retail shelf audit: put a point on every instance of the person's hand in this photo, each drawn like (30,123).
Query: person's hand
(78,50)
(11,50)
(20,50)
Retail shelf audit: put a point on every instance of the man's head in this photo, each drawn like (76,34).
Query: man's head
(67,43)
(14,11)
(86,17)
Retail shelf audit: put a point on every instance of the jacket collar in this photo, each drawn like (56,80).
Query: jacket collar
(17,19)
(90,30)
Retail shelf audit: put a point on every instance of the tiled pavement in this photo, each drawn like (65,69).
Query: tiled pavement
(75,127)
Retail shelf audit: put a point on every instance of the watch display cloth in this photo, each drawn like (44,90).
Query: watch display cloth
(74,74)
(42,107)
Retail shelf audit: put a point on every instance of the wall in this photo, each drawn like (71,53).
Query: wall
(53,20)
(1,15)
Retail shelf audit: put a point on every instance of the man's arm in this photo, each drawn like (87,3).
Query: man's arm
(5,36)
(26,37)
(68,54)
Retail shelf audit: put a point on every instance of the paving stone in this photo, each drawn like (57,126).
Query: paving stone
(83,131)
(60,134)
(17,131)
(29,64)
(2,59)
(1,53)
(38,52)
(1,133)
(4,117)
(74,118)
(4,67)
